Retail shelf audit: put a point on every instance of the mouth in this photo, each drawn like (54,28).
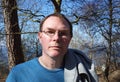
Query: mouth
(55,47)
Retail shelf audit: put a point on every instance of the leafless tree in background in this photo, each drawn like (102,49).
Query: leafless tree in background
(13,37)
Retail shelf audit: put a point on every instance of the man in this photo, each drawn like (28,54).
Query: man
(57,63)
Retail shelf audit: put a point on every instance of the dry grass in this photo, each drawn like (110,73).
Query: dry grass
(114,76)
(3,73)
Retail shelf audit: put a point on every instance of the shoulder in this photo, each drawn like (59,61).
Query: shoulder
(80,55)
(77,53)
(22,71)
(24,66)
(85,61)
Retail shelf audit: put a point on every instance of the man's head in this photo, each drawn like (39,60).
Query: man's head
(61,16)
(55,35)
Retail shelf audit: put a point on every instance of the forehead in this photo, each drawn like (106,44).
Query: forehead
(54,21)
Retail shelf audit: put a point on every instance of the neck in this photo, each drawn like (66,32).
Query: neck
(51,63)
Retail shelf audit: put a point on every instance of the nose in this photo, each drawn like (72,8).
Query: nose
(56,37)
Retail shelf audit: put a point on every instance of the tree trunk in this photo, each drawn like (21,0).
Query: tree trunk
(13,36)
(57,5)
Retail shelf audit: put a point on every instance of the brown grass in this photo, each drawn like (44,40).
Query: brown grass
(3,73)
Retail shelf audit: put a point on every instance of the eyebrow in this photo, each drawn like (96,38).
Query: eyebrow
(49,28)
(54,29)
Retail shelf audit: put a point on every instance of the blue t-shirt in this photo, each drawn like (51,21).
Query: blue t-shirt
(32,71)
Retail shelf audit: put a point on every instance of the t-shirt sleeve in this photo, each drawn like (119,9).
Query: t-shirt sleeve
(11,77)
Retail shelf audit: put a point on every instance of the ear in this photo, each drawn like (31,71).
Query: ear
(39,36)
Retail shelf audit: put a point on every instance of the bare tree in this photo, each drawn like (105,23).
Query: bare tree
(57,5)
(104,19)
(13,37)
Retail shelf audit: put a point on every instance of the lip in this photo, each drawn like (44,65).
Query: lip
(55,47)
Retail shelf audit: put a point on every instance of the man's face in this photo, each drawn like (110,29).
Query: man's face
(55,37)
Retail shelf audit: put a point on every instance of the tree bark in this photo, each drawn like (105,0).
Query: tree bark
(13,36)
(57,5)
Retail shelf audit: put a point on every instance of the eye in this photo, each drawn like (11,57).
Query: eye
(63,33)
(50,32)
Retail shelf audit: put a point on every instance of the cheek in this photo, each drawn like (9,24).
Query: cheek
(66,43)
(44,42)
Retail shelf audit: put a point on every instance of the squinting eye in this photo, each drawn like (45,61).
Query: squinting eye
(63,33)
(50,32)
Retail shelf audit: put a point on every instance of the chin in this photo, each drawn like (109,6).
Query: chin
(55,54)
